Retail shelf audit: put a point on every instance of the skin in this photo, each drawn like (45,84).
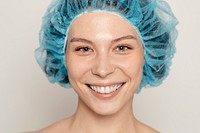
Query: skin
(103,49)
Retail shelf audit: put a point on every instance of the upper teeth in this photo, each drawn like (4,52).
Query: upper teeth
(105,89)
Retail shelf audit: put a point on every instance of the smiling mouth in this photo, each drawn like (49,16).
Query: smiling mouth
(105,89)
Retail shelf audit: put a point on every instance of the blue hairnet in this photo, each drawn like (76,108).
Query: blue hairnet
(152,19)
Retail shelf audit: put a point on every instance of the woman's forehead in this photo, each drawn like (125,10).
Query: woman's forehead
(100,24)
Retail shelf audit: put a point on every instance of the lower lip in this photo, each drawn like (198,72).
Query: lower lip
(107,95)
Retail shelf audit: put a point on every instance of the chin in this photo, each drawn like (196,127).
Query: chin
(106,111)
(108,108)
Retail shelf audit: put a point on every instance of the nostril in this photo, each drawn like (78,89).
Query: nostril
(102,71)
(103,65)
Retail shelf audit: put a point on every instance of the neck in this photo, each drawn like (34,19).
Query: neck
(88,121)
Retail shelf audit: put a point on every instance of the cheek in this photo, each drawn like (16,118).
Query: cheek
(76,67)
(132,65)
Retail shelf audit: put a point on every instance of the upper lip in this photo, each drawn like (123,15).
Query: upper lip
(105,84)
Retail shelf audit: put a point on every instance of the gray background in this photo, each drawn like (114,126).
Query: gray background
(28,102)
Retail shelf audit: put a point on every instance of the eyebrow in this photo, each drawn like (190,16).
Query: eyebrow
(80,40)
(113,41)
(123,38)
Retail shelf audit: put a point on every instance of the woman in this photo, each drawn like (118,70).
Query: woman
(107,51)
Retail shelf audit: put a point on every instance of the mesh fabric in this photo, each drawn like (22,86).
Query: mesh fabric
(153,20)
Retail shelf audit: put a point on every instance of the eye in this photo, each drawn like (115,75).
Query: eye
(83,50)
(122,48)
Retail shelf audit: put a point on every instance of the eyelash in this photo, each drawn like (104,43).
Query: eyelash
(123,46)
(118,48)
(83,49)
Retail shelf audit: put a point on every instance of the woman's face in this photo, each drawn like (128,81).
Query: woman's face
(104,58)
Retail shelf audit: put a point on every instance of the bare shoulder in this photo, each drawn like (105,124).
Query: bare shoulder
(149,130)
(58,127)
(143,128)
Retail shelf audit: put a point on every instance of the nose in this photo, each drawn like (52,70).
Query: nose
(103,66)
